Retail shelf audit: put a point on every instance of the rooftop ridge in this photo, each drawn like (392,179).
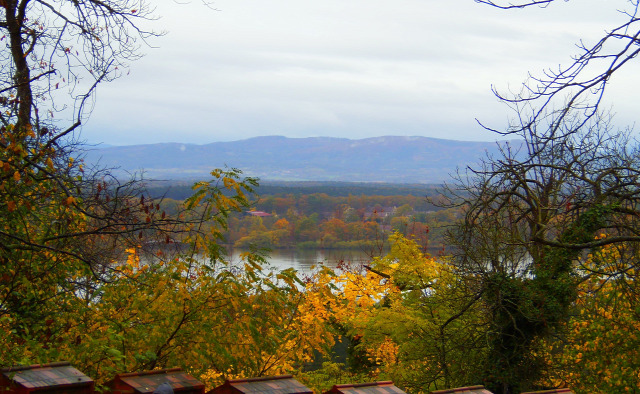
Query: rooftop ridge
(34,366)
(145,373)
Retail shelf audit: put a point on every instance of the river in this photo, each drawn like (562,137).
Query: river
(304,260)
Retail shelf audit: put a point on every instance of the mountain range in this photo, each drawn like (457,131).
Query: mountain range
(390,159)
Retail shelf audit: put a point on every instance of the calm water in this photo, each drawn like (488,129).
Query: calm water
(304,260)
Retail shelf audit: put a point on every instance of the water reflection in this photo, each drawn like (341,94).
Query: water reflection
(304,260)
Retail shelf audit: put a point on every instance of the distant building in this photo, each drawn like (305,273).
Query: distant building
(258,213)
(379,213)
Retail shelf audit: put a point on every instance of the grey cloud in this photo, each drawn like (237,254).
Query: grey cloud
(348,68)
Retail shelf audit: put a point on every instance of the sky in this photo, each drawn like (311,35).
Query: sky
(341,68)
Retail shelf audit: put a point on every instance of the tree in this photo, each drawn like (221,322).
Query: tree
(52,204)
(536,208)
(62,260)
(427,316)
(84,257)
(63,46)
(65,228)
(61,225)
(55,55)
(530,214)
(578,88)
(402,318)
(191,309)
(598,352)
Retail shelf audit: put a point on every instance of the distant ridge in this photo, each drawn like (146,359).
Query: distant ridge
(392,159)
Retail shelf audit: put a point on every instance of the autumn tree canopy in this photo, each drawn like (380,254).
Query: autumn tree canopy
(565,188)
(92,269)
(65,228)
(60,218)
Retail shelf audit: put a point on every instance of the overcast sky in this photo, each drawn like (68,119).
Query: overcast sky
(344,68)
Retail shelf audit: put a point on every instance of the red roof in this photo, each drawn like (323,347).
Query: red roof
(464,390)
(385,387)
(281,384)
(46,377)
(147,382)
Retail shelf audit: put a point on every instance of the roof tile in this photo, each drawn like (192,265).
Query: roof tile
(464,390)
(384,387)
(147,382)
(281,384)
(46,375)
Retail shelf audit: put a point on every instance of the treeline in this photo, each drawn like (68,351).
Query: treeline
(180,190)
(320,220)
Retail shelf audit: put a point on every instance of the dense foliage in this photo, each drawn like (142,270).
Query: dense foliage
(320,221)
(541,289)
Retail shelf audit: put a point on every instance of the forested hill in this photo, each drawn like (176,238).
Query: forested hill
(380,159)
